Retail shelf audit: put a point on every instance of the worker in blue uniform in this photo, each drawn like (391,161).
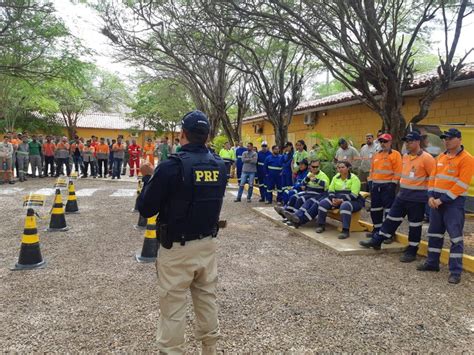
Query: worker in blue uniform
(314,189)
(447,190)
(287,172)
(238,162)
(261,157)
(300,176)
(186,191)
(273,167)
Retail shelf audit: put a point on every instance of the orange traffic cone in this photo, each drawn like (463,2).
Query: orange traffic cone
(71,204)
(150,244)
(30,253)
(58,219)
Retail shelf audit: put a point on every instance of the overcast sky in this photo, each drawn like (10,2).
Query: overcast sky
(85,24)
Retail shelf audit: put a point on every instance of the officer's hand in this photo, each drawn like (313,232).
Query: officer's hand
(302,187)
(146,169)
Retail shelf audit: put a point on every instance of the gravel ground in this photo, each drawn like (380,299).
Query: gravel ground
(277,292)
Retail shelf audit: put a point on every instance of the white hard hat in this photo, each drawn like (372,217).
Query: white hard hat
(264,143)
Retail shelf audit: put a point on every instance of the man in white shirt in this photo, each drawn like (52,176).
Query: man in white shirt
(366,154)
(346,152)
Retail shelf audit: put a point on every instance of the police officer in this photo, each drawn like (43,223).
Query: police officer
(186,191)
(417,166)
(447,189)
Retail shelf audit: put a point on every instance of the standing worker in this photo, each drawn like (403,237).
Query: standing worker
(134,152)
(228,155)
(448,186)
(22,158)
(186,191)
(261,157)
(384,176)
(238,162)
(118,151)
(35,157)
(149,151)
(273,169)
(417,166)
(103,152)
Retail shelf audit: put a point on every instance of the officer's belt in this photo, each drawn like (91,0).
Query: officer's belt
(187,238)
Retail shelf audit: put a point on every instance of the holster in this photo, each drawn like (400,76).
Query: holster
(165,241)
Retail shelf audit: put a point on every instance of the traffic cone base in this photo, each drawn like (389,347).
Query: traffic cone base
(150,244)
(30,253)
(71,204)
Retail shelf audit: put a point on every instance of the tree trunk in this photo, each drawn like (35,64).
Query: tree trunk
(281,133)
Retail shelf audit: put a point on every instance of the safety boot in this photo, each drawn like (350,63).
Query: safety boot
(407,257)
(427,267)
(292,218)
(343,235)
(279,210)
(370,244)
(454,279)
(321,228)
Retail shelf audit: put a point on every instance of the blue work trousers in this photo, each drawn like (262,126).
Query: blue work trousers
(238,167)
(117,168)
(286,180)
(346,208)
(273,183)
(309,210)
(246,178)
(448,218)
(382,197)
(401,208)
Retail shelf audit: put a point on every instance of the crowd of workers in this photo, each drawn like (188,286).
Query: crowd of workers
(413,185)
(34,156)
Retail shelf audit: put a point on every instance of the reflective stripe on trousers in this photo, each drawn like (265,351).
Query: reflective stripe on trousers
(446,218)
(401,208)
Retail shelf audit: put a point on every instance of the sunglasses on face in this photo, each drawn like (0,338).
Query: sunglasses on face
(383,141)
(315,166)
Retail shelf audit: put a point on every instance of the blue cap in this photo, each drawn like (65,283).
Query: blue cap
(196,121)
(412,136)
(451,133)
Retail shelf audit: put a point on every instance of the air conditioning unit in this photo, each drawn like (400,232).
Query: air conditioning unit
(310,118)
(258,128)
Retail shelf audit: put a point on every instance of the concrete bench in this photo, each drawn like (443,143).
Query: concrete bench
(355,225)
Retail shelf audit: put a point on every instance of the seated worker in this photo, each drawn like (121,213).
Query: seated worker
(343,194)
(298,199)
(300,176)
(304,204)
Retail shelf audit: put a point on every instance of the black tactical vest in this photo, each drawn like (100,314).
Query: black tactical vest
(195,208)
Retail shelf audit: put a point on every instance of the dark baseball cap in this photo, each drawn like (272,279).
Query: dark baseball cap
(412,136)
(196,121)
(451,133)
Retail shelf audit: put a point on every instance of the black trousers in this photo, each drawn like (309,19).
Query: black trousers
(49,161)
(103,166)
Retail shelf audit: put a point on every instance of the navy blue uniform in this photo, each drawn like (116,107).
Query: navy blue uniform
(175,198)
(261,156)
(273,168)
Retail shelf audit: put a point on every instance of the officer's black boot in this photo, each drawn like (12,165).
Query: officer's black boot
(321,228)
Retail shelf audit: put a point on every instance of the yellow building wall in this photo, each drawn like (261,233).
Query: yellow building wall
(455,106)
